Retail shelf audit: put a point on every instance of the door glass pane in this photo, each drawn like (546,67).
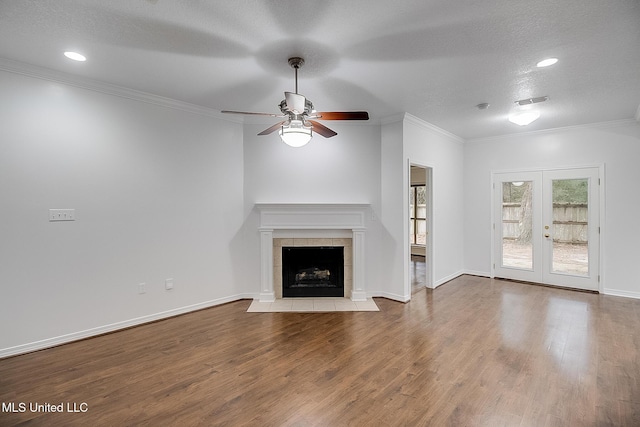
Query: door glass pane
(412,196)
(412,235)
(517,224)
(418,212)
(570,226)
(421,215)
(421,232)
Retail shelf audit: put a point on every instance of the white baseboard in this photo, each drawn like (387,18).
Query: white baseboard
(394,297)
(619,293)
(88,333)
(477,273)
(448,278)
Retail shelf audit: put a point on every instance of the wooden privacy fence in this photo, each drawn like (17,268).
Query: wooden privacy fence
(570,221)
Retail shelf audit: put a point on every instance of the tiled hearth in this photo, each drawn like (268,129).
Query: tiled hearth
(317,305)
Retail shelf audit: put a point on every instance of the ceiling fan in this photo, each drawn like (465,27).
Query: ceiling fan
(301,117)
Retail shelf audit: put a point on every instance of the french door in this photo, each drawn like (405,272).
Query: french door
(546,227)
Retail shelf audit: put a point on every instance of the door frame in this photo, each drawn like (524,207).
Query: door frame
(601,207)
(429,239)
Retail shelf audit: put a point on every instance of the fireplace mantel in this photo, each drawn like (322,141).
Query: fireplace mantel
(311,220)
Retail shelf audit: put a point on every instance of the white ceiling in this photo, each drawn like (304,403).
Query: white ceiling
(435,59)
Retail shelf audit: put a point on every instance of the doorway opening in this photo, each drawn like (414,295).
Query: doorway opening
(420,214)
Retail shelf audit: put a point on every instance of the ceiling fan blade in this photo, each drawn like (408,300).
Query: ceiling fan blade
(295,102)
(321,129)
(273,128)
(252,114)
(342,115)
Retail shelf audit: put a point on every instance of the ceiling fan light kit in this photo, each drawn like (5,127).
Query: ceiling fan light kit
(301,117)
(296,134)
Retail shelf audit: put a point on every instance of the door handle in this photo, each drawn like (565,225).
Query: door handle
(546,235)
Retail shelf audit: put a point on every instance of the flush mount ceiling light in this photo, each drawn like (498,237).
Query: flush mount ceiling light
(546,62)
(524,118)
(75,56)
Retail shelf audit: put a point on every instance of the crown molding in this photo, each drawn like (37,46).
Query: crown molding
(409,118)
(392,119)
(48,74)
(598,125)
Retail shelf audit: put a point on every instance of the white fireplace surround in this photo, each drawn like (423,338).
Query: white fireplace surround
(297,220)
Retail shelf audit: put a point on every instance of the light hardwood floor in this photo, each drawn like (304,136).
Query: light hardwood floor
(418,268)
(472,352)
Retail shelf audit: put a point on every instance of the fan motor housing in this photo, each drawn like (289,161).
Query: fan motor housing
(308,107)
(296,62)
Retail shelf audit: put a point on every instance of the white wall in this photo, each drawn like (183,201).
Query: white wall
(428,146)
(410,140)
(157,193)
(616,145)
(392,253)
(342,169)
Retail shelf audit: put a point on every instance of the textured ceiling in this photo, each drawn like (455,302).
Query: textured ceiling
(435,59)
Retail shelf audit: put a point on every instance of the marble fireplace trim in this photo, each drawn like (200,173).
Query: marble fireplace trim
(306,223)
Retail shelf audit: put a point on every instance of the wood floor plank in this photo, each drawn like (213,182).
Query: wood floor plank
(475,351)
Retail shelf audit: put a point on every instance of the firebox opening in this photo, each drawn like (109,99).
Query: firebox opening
(316,271)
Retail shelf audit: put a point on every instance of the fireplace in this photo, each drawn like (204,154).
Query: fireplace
(312,225)
(314,271)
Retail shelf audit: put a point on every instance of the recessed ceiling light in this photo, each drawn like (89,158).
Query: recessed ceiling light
(524,118)
(547,62)
(75,56)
